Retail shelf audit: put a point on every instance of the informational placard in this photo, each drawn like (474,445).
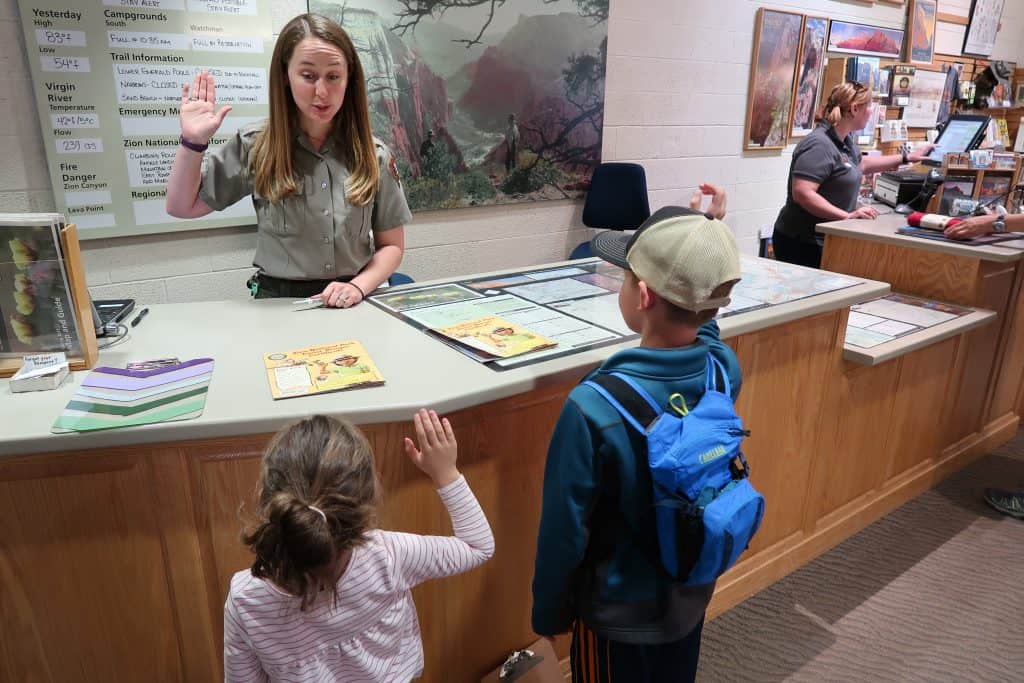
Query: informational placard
(980,37)
(108,76)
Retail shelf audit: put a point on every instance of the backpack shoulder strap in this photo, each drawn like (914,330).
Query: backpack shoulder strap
(715,371)
(627,397)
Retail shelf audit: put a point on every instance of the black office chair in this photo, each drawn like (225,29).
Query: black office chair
(616,200)
(399,279)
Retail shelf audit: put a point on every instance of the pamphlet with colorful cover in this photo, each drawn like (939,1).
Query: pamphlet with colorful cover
(36,307)
(495,337)
(320,369)
(109,398)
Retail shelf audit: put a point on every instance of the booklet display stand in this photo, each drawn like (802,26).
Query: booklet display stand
(85,356)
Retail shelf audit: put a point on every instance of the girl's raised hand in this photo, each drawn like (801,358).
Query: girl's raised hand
(437,451)
(199,116)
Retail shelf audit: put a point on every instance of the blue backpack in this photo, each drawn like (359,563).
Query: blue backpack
(706,510)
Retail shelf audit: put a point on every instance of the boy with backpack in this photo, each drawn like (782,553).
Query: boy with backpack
(646,500)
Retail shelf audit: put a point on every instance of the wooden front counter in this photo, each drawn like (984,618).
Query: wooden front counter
(114,562)
(987,388)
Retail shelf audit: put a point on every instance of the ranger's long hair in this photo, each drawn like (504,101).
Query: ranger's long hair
(271,162)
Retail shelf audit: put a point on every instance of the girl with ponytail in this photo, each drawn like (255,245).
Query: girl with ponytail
(825,175)
(328,595)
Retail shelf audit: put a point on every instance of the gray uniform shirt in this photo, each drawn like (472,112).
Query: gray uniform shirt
(315,234)
(834,164)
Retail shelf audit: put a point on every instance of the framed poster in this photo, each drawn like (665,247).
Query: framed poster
(921,24)
(861,39)
(810,65)
(980,37)
(925,99)
(772,72)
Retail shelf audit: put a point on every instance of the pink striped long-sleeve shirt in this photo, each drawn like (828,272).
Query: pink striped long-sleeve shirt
(372,634)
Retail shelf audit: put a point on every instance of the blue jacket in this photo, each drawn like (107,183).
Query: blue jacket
(597,545)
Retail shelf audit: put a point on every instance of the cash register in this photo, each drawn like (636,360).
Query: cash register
(898,187)
(962,133)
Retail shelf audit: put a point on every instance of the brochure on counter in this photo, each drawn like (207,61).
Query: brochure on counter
(897,315)
(492,337)
(576,307)
(320,369)
(110,398)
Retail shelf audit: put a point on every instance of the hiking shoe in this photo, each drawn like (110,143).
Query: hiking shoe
(1008,502)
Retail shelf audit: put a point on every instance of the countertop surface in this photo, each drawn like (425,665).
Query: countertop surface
(419,370)
(883,229)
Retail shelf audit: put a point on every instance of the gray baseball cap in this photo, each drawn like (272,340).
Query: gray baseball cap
(681,253)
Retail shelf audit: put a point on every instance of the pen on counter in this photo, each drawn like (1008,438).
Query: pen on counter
(140,316)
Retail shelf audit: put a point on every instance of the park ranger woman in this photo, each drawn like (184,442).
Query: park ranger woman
(329,204)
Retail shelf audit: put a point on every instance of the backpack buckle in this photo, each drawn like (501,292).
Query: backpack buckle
(738,467)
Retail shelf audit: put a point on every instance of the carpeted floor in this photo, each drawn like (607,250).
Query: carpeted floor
(932,592)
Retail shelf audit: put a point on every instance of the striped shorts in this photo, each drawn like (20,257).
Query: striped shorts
(595,659)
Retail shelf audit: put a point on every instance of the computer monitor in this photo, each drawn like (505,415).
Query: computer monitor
(962,133)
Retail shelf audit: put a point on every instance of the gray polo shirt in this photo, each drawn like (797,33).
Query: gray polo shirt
(315,234)
(834,164)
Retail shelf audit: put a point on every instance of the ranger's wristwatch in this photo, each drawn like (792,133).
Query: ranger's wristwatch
(999,225)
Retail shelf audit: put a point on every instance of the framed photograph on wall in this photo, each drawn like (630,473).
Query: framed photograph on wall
(772,72)
(921,24)
(862,39)
(810,65)
(983,24)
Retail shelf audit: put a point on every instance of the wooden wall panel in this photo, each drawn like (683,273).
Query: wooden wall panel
(786,371)
(994,285)
(851,456)
(84,590)
(911,271)
(198,628)
(920,405)
(222,481)
(1009,380)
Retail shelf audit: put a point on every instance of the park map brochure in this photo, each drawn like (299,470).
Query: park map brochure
(320,369)
(495,337)
(576,305)
(876,322)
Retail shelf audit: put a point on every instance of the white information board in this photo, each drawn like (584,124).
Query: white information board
(108,77)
